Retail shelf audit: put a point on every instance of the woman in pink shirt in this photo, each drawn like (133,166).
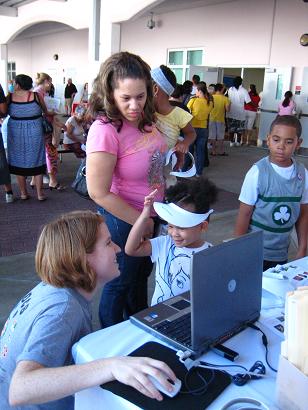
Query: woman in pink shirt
(125,159)
(287,106)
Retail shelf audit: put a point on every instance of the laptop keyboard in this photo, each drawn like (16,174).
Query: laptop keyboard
(179,329)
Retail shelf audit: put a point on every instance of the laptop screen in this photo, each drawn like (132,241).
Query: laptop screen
(226,282)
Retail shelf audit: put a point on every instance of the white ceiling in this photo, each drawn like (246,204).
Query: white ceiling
(168,6)
(9,8)
(42,29)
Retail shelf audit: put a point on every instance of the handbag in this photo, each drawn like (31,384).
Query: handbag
(47,126)
(79,184)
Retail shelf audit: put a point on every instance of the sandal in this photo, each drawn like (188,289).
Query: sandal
(24,197)
(41,198)
(58,187)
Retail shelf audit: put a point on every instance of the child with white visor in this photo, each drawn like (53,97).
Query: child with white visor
(171,120)
(187,214)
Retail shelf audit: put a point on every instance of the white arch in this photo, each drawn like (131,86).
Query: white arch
(73,13)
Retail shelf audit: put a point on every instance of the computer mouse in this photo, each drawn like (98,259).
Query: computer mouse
(176,386)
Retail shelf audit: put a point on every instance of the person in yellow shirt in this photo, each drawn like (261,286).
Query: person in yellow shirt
(217,121)
(200,108)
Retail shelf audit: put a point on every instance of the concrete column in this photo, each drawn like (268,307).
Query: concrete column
(94,42)
(3,66)
(104,39)
(94,30)
(110,39)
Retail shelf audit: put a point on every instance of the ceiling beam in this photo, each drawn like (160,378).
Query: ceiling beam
(8,11)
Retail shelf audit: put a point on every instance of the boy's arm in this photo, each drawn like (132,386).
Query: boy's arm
(137,244)
(243,219)
(301,227)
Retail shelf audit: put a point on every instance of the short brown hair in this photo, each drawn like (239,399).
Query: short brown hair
(288,121)
(62,247)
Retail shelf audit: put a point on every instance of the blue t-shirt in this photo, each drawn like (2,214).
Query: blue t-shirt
(43,327)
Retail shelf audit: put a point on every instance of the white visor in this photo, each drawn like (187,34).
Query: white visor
(185,174)
(177,216)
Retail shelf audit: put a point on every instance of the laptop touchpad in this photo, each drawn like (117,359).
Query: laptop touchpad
(181,304)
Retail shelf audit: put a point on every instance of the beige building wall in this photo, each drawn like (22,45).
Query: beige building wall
(226,31)
(243,33)
(36,54)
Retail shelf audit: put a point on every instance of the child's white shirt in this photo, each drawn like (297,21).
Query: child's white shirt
(172,274)
(250,189)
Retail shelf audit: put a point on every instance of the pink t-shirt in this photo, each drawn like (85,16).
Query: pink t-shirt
(140,159)
(286,110)
(40,90)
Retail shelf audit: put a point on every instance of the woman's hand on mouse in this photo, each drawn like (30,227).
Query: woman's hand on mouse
(133,371)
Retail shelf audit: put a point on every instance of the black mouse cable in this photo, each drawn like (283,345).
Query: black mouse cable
(265,343)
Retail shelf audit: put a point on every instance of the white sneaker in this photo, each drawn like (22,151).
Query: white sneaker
(45,179)
(9,198)
(232,144)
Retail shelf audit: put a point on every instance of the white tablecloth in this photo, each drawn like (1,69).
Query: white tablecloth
(125,337)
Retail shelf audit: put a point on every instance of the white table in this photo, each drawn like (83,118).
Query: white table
(125,337)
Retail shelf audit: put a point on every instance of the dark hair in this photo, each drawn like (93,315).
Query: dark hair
(237,82)
(196,78)
(24,81)
(187,87)
(218,87)
(203,88)
(118,67)
(169,74)
(199,192)
(253,89)
(178,91)
(288,121)
(287,98)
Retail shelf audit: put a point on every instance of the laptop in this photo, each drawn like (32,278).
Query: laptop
(225,296)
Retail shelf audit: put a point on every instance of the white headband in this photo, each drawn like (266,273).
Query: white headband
(177,216)
(185,174)
(159,77)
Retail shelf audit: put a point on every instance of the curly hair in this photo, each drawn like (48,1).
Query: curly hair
(199,192)
(60,258)
(117,67)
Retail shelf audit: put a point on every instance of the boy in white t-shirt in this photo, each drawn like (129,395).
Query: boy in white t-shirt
(274,195)
(187,213)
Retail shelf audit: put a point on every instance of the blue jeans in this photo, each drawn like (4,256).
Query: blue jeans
(199,148)
(126,294)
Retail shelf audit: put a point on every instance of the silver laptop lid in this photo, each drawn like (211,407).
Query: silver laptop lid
(226,281)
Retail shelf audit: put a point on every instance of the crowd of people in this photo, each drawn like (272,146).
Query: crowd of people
(139,115)
(32,133)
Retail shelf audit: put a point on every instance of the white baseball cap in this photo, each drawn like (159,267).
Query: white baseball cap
(177,216)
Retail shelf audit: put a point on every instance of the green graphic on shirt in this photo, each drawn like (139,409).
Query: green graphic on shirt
(281,214)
